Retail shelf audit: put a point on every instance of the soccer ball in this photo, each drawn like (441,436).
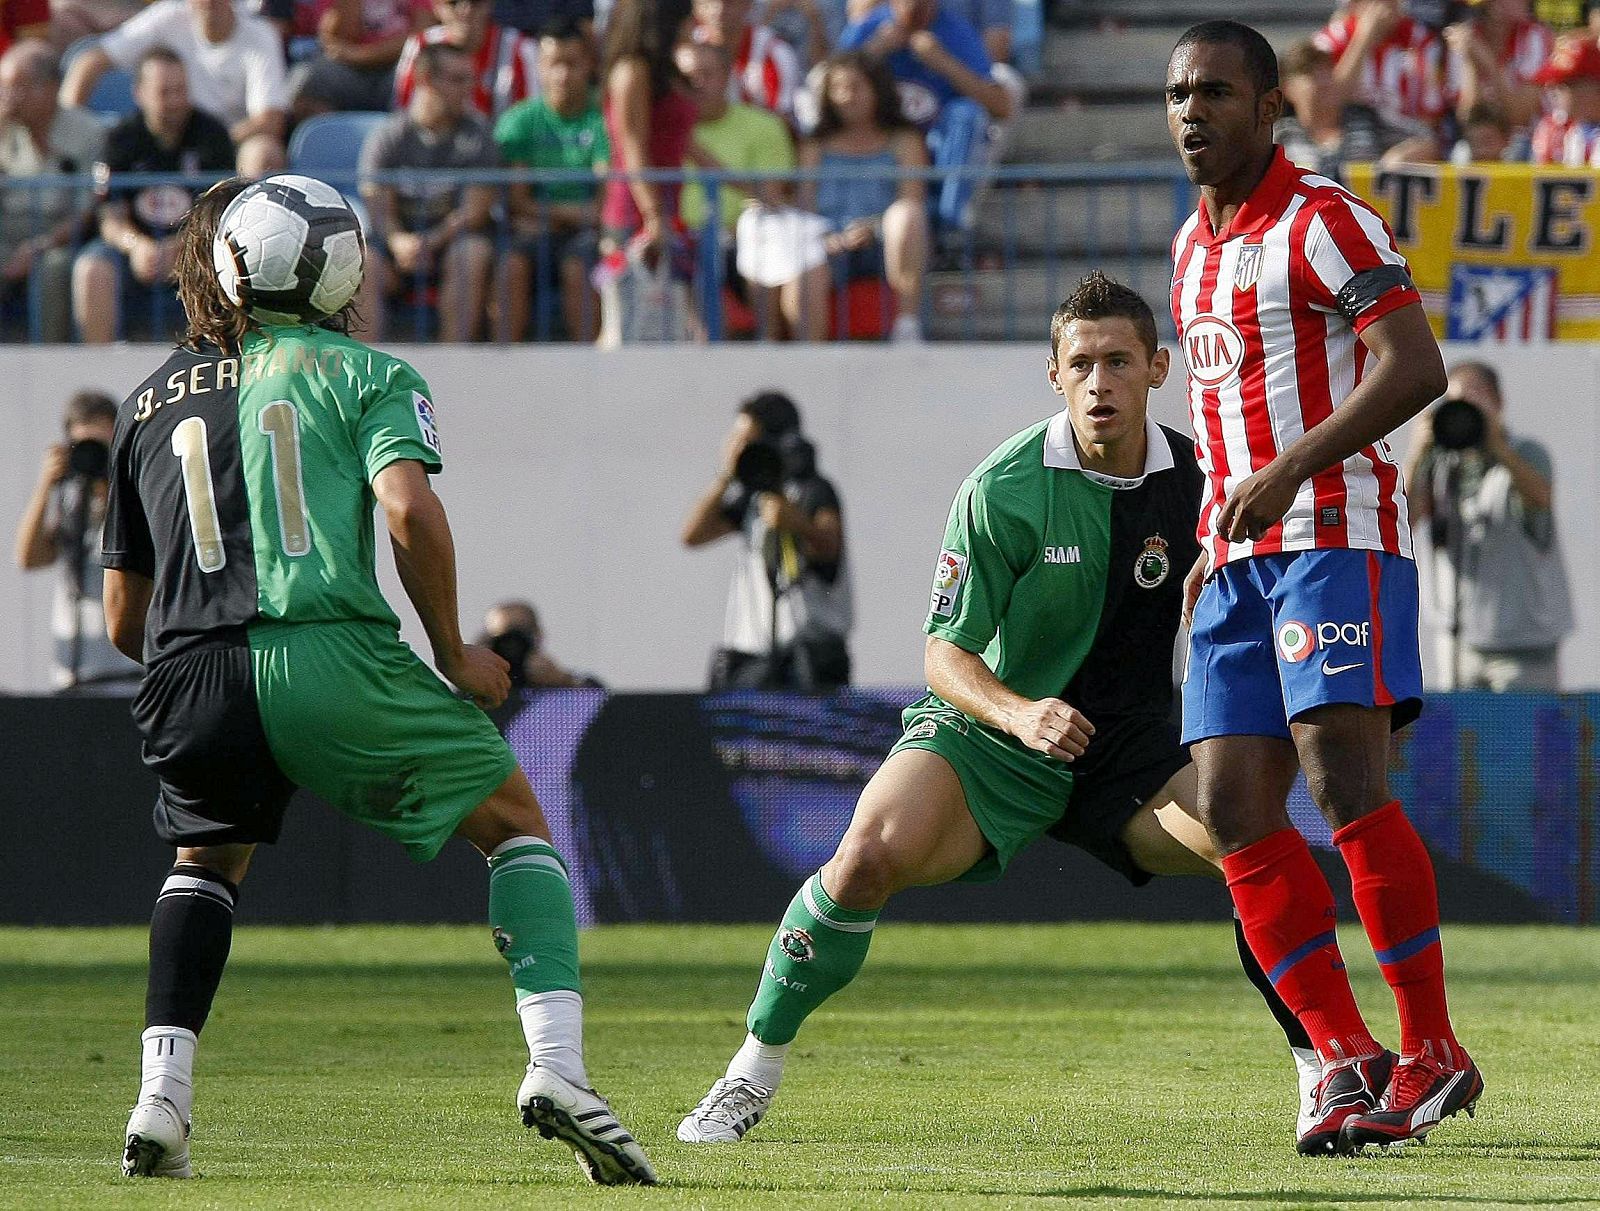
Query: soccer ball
(289,250)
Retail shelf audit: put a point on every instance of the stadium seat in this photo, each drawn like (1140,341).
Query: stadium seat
(113,93)
(329,145)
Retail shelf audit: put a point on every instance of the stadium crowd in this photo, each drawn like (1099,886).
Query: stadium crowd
(861,95)
(202,87)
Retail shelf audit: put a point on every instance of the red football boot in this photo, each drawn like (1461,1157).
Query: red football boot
(1421,1095)
(1348,1088)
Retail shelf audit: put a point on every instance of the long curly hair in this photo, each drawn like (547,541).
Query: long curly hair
(887,114)
(212,318)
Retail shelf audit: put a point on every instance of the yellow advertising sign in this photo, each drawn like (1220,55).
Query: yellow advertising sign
(1500,252)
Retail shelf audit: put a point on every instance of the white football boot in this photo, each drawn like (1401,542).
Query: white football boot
(582,1119)
(1308,1071)
(733,1106)
(156,1142)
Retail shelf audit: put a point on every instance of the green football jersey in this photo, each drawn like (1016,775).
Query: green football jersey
(243,485)
(1069,584)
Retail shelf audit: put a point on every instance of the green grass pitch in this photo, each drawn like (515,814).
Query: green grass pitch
(1074,1066)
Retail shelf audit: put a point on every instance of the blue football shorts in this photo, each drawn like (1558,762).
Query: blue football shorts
(1276,635)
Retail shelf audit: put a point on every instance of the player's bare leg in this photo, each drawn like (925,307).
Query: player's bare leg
(191,932)
(911,827)
(1166,837)
(1344,749)
(536,931)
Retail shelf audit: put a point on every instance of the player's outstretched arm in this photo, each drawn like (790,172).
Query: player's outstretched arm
(125,597)
(425,557)
(961,678)
(1407,375)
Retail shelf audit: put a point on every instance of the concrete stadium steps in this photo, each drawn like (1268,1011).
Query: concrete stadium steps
(1069,130)
(1053,220)
(1116,63)
(982,306)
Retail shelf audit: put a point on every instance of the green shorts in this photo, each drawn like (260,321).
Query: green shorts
(351,714)
(1014,796)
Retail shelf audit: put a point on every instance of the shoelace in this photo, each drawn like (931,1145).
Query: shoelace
(1413,1076)
(733,1100)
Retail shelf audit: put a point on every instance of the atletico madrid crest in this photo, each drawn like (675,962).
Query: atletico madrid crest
(1248,271)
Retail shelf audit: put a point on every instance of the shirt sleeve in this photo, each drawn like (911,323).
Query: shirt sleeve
(995,14)
(977,569)
(1333,38)
(1350,264)
(399,423)
(1537,524)
(264,88)
(965,43)
(855,34)
(139,33)
(125,542)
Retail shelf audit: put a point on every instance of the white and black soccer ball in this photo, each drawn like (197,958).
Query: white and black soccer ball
(289,250)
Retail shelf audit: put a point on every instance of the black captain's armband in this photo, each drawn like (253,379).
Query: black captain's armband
(1367,287)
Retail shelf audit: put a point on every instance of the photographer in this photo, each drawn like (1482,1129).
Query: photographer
(1500,586)
(511,630)
(789,603)
(61,525)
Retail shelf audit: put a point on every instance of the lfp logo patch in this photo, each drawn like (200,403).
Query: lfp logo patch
(425,420)
(947,578)
(1296,641)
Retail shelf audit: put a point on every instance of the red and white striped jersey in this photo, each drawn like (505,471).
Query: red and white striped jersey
(1557,139)
(1404,75)
(506,69)
(766,72)
(1269,315)
(1526,46)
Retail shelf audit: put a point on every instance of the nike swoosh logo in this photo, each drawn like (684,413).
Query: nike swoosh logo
(1328,670)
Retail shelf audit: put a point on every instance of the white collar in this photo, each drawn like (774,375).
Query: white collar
(1061,452)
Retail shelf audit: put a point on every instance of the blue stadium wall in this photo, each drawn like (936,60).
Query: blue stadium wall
(712,808)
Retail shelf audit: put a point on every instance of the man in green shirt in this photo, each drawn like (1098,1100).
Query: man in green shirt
(555,225)
(1055,609)
(239,555)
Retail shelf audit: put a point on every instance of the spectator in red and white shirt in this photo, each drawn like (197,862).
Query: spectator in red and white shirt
(1570,133)
(1389,61)
(505,63)
(1493,58)
(766,70)
(359,43)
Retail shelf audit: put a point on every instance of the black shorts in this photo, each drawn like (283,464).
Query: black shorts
(1128,761)
(198,714)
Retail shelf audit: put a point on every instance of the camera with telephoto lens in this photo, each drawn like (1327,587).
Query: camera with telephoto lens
(1458,425)
(766,464)
(514,647)
(89,459)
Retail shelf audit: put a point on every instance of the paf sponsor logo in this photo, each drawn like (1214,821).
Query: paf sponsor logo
(1213,349)
(1298,640)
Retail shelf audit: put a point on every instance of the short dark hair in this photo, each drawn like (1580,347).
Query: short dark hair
(156,54)
(1099,298)
(1483,370)
(774,411)
(563,29)
(432,57)
(85,406)
(1259,60)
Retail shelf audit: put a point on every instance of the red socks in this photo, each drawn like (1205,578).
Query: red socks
(1287,911)
(1391,877)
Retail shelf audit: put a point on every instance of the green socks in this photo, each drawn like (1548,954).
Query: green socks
(530,911)
(817,951)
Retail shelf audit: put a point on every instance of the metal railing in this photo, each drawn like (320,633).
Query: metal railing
(1034,229)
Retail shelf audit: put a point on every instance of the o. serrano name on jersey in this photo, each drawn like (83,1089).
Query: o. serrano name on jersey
(1269,314)
(223,374)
